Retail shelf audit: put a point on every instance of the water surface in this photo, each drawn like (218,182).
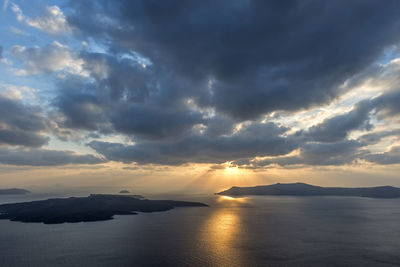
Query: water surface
(251,231)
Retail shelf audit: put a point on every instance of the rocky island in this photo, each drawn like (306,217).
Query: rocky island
(95,207)
(302,189)
(14,191)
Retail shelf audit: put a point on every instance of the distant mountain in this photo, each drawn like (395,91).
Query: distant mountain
(85,209)
(302,189)
(13,191)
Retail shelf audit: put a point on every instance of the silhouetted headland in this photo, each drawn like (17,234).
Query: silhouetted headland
(14,191)
(302,189)
(95,207)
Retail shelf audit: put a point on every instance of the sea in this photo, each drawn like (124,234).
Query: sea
(248,231)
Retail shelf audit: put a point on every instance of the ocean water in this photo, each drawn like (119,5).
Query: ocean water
(250,231)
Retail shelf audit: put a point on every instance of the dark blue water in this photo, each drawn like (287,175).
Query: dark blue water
(253,231)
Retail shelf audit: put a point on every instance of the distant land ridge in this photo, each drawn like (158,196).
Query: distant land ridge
(302,189)
(95,207)
(13,191)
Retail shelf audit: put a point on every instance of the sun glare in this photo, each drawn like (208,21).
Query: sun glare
(231,169)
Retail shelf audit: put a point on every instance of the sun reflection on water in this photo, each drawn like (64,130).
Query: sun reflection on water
(221,233)
(227,198)
(224,226)
(232,199)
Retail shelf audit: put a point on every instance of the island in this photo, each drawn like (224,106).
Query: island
(14,191)
(95,207)
(124,192)
(302,189)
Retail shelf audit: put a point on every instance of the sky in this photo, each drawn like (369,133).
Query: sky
(197,96)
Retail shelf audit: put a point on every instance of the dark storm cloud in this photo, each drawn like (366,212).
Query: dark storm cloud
(154,123)
(21,124)
(43,157)
(330,153)
(373,138)
(125,95)
(24,125)
(120,76)
(190,81)
(390,157)
(219,125)
(326,143)
(337,128)
(262,55)
(388,103)
(81,110)
(20,137)
(339,153)
(251,142)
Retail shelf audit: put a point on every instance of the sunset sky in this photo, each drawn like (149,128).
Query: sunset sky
(197,96)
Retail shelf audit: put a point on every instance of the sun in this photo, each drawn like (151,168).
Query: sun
(231,168)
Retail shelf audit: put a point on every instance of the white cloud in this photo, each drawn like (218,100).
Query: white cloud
(54,57)
(5,4)
(52,21)
(15,92)
(18,12)
(18,31)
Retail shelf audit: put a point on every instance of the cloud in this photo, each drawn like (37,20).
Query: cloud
(44,157)
(375,137)
(390,157)
(18,12)
(5,5)
(21,124)
(53,57)
(181,82)
(219,125)
(252,141)
(277,56)
(339,153)
(18,31)
(15,92)
(154,123)
(337,128)
(313,153)
(80,110)
(52,21)
(388,103)
(126,96)
(209,78)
